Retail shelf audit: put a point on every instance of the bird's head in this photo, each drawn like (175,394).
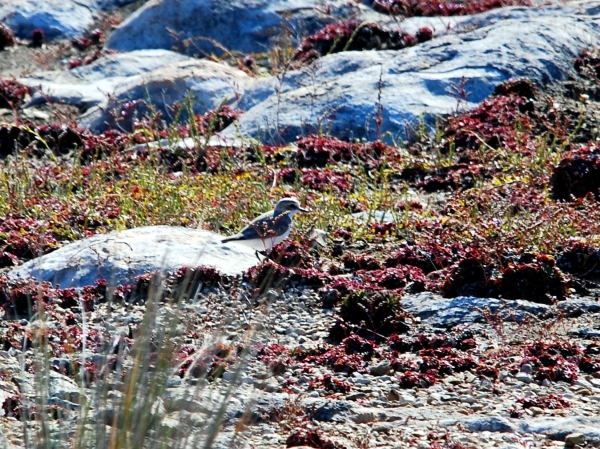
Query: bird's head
(290,206)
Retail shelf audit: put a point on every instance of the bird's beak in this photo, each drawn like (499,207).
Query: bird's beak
(302,209)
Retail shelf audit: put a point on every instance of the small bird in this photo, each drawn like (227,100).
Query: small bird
(270,228)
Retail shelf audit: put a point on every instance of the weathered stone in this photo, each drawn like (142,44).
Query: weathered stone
(89,85)
(573,439)
(559,428)
(343,93)
(484,423)
(438,311)
(206,83)
(247,26)
(119,257)
(56,18)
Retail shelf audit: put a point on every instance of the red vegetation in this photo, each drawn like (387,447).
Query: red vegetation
(395,278)
(348,357)
(552,402)
(424,34)
(415,380)
(318,152)
(411,8)
(21,298)
(291,254)
(12,95)
(493,121)
(187,281)
(354,36)
(217,119)
(275,356)
(316,179)
(355,262)
(440,355)
(428,256)
(63,139)
(533,277)
(88,59)
(589,362)
(463,341)
(335,385)
(24,239)
(270,275)
(493,125)
(454,177)
(12,407)
(556,360)
(57,138)
(38,37)
(209,363)
(7,37)
(95,37)
(577,174)
(341,233)
(383,229)
(311,438)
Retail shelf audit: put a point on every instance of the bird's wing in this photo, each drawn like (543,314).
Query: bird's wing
(262,217)
(256,228)
(249,232)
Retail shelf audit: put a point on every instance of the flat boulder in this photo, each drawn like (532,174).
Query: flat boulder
(119,257)
(438,311)
(558,428)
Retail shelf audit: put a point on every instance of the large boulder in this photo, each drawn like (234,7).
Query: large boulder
(204,27)
(90,85)
(206,83)
(343,94)
(56,18)
(119,257)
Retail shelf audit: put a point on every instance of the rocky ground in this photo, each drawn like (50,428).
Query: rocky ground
(465,316)
(491,382)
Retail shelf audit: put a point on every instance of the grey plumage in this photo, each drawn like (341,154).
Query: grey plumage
(270,228)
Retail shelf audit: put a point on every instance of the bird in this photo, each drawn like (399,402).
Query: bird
(270,228)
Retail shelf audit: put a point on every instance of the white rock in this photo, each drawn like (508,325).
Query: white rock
(438,311)
(89,85)
(209,84)
(119,257)
(583,383)
(246,26)
(57,18)
(524,377)
(406,399)
(573,439)
(341,92)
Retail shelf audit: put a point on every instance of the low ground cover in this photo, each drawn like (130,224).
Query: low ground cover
(499,202)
